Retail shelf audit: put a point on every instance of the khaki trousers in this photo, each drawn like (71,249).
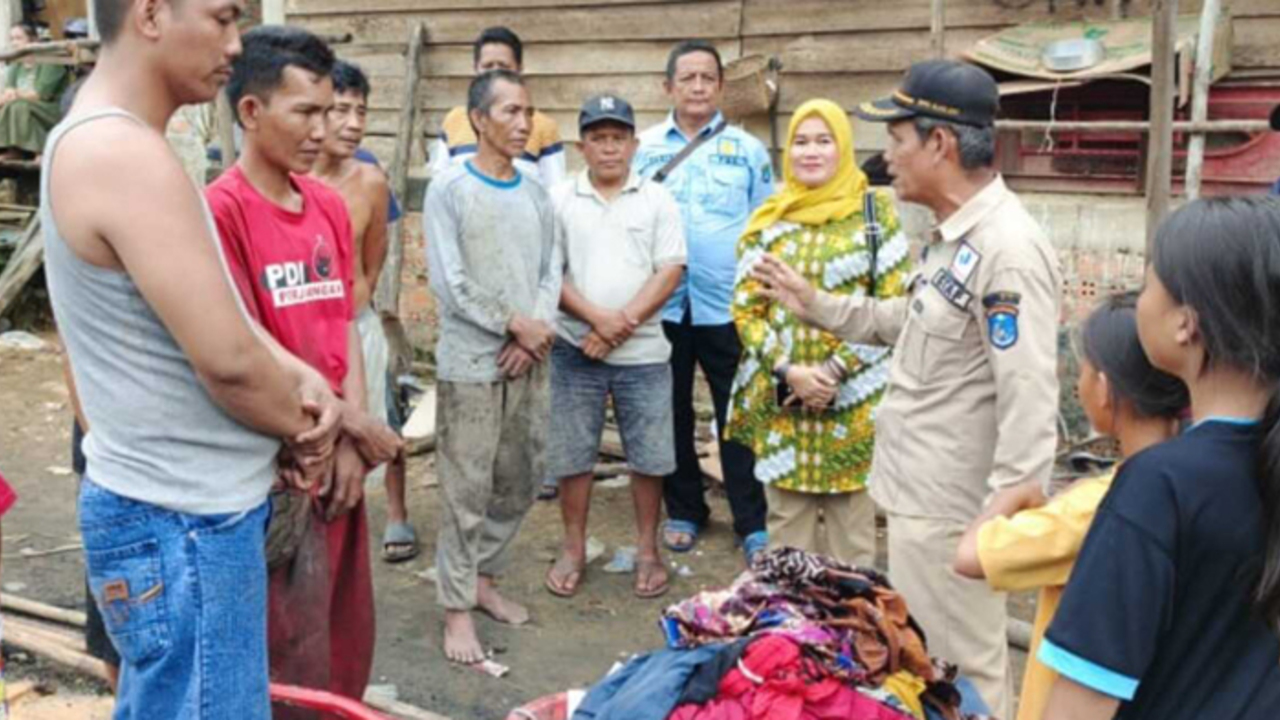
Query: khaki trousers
(964,620)
(489,458)
(840,525)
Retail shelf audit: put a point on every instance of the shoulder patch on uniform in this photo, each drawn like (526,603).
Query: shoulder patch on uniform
(951,289)
(1002,318)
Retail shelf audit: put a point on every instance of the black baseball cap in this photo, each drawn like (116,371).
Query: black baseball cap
(943,89)
(606,107)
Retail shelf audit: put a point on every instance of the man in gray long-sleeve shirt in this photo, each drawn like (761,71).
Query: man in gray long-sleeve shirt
(495,271)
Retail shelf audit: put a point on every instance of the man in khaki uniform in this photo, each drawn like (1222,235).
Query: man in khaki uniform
(971,407)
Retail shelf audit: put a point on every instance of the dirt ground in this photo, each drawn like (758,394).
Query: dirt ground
(570,643)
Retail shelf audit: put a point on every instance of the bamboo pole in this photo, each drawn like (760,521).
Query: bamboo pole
(62,48)
(21,636)
(226,129)
(1107,126)
(1160,140)
(387,299)
(41,610)
(49,633)
(1200,94)
(938,29)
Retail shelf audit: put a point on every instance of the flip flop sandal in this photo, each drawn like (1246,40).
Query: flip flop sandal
(754,545)
(645,568)
(399,543)
(564,589)
(679,527)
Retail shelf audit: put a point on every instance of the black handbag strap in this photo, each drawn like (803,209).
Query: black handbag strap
(871,231)
(673,163)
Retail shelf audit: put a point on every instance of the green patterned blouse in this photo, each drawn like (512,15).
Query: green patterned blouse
(827,452)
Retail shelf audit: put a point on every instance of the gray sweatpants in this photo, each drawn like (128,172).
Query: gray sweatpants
(489,457)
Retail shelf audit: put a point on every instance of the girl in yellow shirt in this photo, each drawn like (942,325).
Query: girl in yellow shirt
(1024,544)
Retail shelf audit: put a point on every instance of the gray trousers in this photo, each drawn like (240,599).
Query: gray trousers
(490,439)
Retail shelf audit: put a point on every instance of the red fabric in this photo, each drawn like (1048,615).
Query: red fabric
(778,684)
(293,270)
(320,618)
(7,496)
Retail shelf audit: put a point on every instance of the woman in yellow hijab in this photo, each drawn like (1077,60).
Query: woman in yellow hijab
(803,399)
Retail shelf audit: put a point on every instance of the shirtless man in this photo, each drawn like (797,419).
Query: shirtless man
(187,401)
(364,187)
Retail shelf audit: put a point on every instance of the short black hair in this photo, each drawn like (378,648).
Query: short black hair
(499,35)
(348,77)
(480,92)
(688,47)
(268,50)
(109,16)
(876,168)
(1109,340)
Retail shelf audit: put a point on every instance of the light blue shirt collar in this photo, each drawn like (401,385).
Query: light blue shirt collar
(671,126)
(1225,420)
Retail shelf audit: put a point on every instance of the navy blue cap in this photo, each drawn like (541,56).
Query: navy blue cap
(606,107)
(943,89)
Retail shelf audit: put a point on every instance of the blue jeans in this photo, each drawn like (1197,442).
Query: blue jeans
(184,598)
(580,391)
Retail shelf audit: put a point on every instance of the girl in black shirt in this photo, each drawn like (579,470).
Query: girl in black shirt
(1174,603)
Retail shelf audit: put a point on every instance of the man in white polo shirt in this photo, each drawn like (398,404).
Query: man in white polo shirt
(624,254)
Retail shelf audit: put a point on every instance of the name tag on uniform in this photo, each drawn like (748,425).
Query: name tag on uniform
(951,289)
(964,263)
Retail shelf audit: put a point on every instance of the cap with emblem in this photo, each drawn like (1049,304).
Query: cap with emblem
(603,108)
(943,89)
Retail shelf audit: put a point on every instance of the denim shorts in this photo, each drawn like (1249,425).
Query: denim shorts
(641,396)
(184,599)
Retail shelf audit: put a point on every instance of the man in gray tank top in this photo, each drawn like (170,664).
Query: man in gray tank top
(188,402)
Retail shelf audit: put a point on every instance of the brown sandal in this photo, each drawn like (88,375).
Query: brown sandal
(568,583)
(645,572)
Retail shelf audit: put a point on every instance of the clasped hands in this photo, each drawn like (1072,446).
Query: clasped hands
(338,452)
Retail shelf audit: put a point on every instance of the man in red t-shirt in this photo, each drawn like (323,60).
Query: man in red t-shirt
(288,244)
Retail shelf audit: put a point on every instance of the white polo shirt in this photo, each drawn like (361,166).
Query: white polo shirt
(611,249)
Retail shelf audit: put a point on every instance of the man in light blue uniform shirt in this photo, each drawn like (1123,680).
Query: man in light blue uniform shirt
(717,187)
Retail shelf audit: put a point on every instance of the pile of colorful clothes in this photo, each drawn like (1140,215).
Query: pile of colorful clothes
(798,637)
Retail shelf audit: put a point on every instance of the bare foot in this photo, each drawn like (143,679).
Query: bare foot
(491,603)
(461,644)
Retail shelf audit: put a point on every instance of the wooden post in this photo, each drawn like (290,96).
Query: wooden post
(272,12)
(226,129)
(1200,94)
(388,294)
(1164,19)
(938,29)
(10,12)
(23,263)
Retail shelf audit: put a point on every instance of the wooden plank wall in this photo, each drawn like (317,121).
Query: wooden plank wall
(847,50)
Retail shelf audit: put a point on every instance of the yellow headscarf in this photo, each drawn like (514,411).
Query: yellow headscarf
(838,199)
